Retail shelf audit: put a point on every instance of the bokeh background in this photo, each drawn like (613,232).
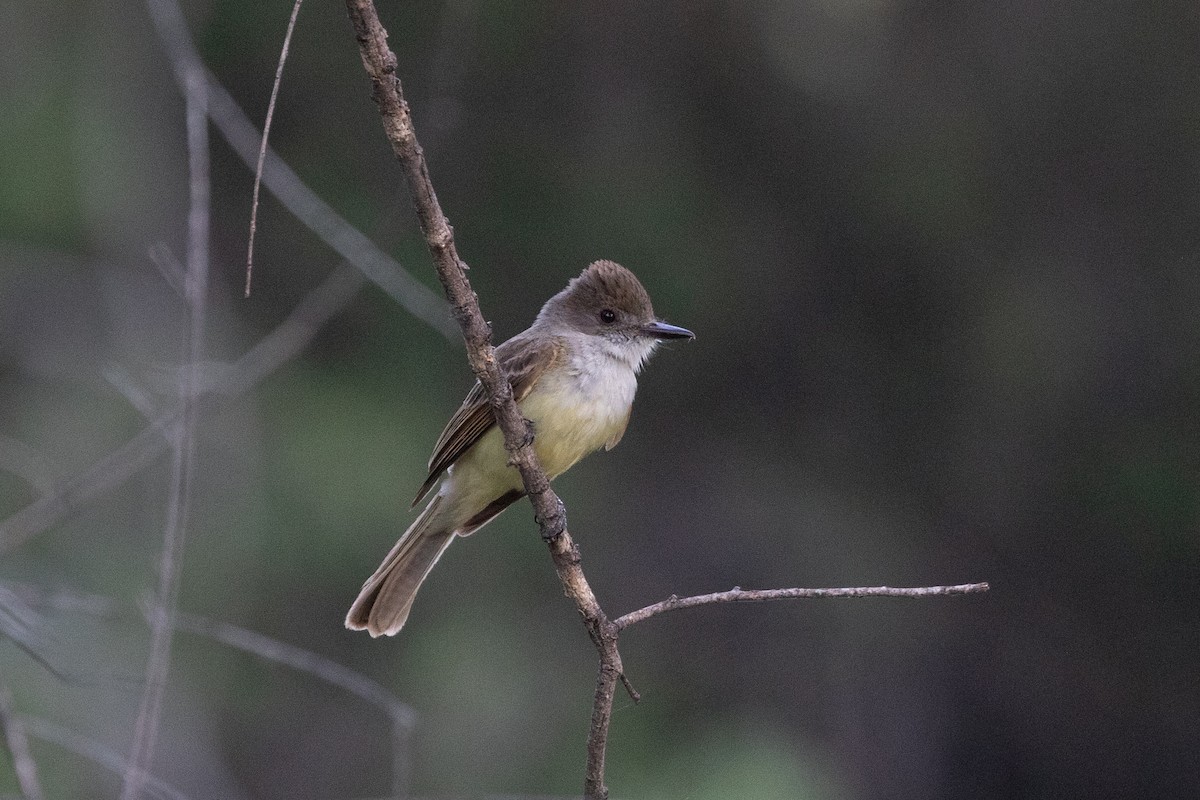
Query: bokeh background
(943,261)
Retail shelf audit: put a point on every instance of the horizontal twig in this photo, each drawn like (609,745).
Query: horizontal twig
(739,595)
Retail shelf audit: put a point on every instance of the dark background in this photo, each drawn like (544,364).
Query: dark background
(941,260)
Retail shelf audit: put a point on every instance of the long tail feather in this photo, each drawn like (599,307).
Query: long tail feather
(387,596)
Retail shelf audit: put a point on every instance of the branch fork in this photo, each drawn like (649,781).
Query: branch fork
(549,511)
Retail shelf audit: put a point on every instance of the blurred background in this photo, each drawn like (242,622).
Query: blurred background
(942,263)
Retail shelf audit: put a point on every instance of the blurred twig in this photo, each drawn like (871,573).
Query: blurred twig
(135,455)
(120,379)
(262,148)
(288,337)
(112,470)
(106,474)
(237,129)
(168,266)
(19,624)
(401,716)
(346,240)
(81,745)
(27,463)
(145,732)
(18,747)
(740,595)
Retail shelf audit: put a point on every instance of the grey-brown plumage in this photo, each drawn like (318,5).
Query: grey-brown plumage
(573,374)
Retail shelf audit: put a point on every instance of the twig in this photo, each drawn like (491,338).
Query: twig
(739,595)
(168,266)
(112,470)
(118,466)
(380,64)
(109,472)
(90,749)
(299,659)
(400,715)
(18,747)
(288,338)
(266,132)
(119,378)
(272,351)
(19,624)
(346,240)
(27,463)
(317,215)
(145,732)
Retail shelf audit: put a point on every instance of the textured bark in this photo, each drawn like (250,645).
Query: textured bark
(551,515)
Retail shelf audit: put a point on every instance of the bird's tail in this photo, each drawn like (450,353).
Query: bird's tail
(386,598)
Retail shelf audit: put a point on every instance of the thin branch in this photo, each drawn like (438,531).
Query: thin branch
(299,659)
(20,625)
(318,216)
(109,472)
(380,64)
(145,733)
(120,379)
(94,751)
(168,266)
(118,466)
(266,132)
(27,463)
(400,715)
(288,338)
(346,240)
(739,595)
(18,747)
(114,469)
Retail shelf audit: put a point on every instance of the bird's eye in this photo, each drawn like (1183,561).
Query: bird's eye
(608,316)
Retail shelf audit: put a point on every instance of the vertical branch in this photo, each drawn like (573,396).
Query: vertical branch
(262,148)
(18,747)
(380,63)
(183,441)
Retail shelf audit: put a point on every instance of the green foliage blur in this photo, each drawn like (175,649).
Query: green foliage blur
(942,263)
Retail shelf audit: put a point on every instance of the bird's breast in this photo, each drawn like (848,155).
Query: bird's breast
(578,410)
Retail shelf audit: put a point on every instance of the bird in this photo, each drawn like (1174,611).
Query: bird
(573,375)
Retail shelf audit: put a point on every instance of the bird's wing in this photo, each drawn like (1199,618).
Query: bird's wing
(524,360)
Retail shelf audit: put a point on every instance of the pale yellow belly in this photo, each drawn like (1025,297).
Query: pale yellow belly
(566,428)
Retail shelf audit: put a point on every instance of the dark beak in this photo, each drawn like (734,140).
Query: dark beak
(661,330)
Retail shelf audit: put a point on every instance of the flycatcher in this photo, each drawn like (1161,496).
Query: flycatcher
(573,374)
